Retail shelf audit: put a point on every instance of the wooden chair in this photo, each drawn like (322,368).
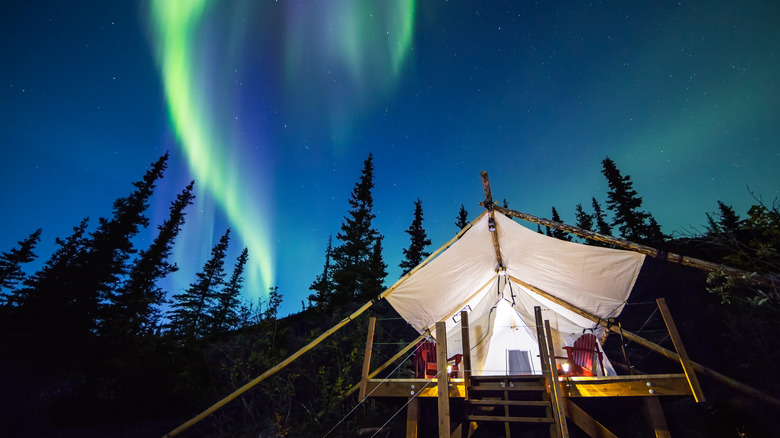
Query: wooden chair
(581,356)
(425,361)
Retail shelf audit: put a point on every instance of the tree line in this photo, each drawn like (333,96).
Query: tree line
(95,312)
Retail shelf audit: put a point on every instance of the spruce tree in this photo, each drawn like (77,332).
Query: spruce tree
(582,219)
(374,283)
(44,310)
(633,223)
(728,220)
(191,311)
(225,315)
(353,258)
(136,308)
(462,219)
(323,285)
(416,252)
(602,226)
(110,248)
(556,233)
(11,262)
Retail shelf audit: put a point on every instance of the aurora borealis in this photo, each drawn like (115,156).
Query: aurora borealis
(271,107)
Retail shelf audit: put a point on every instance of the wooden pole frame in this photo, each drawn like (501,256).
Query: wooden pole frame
(653,346)
(750,277)
(698,394)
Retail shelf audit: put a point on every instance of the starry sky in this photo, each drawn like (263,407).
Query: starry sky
(272,106)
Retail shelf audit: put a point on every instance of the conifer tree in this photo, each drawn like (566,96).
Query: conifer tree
(633,223)
(353,258)
(44,310)
(323,286)
(416,252)
(225,315)
(462,219)
(190,314)
(582,219)
(728,220)
(11,262)
(374,283)
(111,247)
(556,233)
(135,310)
(602,226)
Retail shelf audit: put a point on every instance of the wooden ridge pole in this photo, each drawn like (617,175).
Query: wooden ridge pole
(763,280)
(653,346)
(493,227)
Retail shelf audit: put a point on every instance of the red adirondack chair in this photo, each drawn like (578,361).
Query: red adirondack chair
(425,361)
(581,356)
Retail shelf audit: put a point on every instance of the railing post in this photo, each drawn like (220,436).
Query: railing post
(367,358)
(442,380)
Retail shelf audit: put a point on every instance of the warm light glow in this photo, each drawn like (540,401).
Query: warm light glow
(565,367)
(449,369)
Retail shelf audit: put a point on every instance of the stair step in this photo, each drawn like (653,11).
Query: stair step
(510,419)
(508,402)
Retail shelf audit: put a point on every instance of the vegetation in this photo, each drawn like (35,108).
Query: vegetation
(95,345)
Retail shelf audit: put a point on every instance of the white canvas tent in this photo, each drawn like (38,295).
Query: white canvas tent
(466,276)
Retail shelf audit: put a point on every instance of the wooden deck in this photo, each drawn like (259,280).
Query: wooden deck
(572,387)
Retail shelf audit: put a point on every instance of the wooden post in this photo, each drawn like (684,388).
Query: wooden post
(655,415)
(698,395)
(442,380)
(492,218)
(412,417)
(466,344)
(367,358)
(555,386)
(541,340)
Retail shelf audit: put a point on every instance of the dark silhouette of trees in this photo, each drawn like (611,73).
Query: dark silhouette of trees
(634,224)
(600,218)
(355,260)
(727,220)
(225,314)
(191,311)
(415,253)
(462,219)
(11,262)
(135,310)
(554,232)
(323,285)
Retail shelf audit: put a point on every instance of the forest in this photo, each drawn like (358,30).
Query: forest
(93,346)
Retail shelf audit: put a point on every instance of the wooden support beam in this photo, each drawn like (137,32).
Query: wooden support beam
(367,358)
(544,356)
(654,347)
(698,395)
(442,380)
(769,280)
(412,417)
(588,424)
(655,415)
(556,398)
(491,217)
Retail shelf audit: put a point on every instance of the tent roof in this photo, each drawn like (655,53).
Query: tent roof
(597,280)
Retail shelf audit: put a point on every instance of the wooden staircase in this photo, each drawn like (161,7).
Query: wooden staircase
(512,400)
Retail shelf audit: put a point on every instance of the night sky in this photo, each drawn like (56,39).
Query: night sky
(273,106)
